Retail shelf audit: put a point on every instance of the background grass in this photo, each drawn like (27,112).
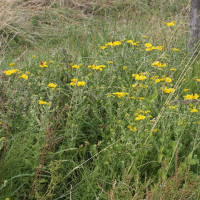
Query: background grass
(87,143)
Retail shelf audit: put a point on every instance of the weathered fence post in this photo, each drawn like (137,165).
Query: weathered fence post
(194,22)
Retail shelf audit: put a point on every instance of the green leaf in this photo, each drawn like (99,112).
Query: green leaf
(154,96)
(160,156)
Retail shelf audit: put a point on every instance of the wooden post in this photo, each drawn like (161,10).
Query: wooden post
(194,22)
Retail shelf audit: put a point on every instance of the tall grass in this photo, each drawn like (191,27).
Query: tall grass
(99,100)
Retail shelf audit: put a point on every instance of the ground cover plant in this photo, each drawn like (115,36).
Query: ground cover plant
(99,100)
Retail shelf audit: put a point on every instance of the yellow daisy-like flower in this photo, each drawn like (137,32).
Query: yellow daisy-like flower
(169,90)
(110,62)
(11,64)
(173,69)
(52,85)
(102,47)
(75,66)
(72,83)
(51,61)
(130,41)
(144,36)
(124,68)
(194,110)
(43,64)
(74,80)
(185,90)
(42,102)
(168,80)
(159,48)
(24,76)
(148,45)
(81,83)
(9,72)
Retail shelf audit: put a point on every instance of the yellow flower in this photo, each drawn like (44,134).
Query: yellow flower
(198,79)
(148,45)
(75,66)
(116,43)
(110,62)
(42,102)
(124,68)
(33,56)
(187,97)
(194,110)
(169,90)
(156,63)
(195,96)
(2,138)
(130,41)
(9,72)
(173,69)
(103,47)
(43,64)
(175,49)
(185,90)
(155,130)
(24,76)
(159,48)
(52,85)
(28,72)
(138,77)
(143,36)
(170,24)
(51,61)
(72,84)
(140,117)
(71,64)
(119,94)
(74,80)
(157,80)
(129,126)
(11,64)
(81,83)
(168,80)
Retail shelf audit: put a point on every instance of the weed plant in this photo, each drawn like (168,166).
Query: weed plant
(99,100)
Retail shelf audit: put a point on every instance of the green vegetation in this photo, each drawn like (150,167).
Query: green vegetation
(99,100)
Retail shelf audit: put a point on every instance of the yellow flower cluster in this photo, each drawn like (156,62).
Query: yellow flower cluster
(191,96)
(120,94)
(99,67)
(169,90)
(158,64)
(52,85)
(79,83)
(115,43)
(149,47)
(170,23)
(139,77)
(9,72)
(132,129)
